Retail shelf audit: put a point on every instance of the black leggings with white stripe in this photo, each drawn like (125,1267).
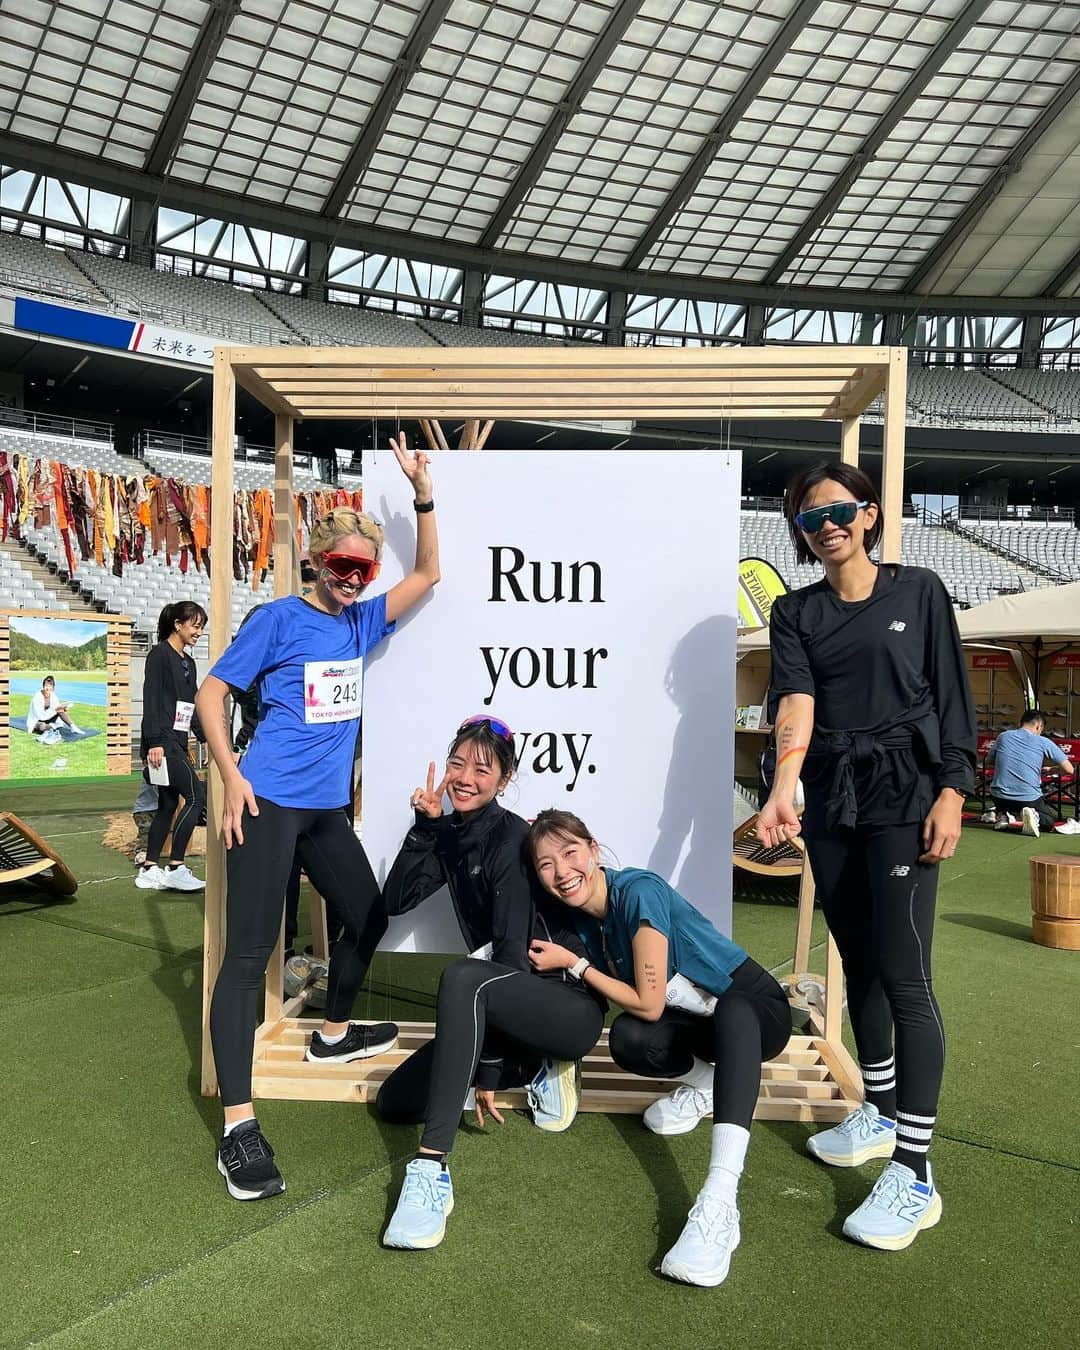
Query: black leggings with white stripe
(878,901)
(478,1000)
(183,782)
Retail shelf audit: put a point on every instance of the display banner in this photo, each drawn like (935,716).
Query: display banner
(588,601)
(759,585)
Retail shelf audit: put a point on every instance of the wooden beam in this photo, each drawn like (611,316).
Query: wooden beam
(849,441)
(485,432)
(892,460)
(221,541)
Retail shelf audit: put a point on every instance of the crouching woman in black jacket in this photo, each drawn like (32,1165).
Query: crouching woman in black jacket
(498,1024)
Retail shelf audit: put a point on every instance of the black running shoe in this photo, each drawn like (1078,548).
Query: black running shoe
(361,1042)
(246,1161)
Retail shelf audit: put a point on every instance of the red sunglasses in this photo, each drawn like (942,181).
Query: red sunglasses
(345,566)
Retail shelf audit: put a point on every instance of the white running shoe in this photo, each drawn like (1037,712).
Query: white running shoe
(988,818)
(679,1112)
(896,1210)
(1030,818)
(862,1135)
(1068,827)
(554,1095)
(1005,820)
(702,1255)
(180,879)
(150,878)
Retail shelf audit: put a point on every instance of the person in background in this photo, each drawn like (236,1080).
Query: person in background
(1017,757)
(168,719)
(47,712)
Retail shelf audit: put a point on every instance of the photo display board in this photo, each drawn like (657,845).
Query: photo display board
(588,600)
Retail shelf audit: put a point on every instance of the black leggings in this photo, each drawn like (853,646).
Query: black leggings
(258,871)
(183,782)
(530,1016)
(750,1024)
(878,901)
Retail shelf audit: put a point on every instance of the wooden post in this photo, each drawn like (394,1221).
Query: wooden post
(849,441)
(804,923)
(221,540)
(892,459)
(286,582)
(834,994)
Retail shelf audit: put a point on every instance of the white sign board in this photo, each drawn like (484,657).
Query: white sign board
(588,599)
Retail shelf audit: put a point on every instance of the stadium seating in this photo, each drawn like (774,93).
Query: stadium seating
(183,302)
(32,267)
(246,474)
(1055,391)
(346,325)
(20,588)
(461,335)
(1052,548)
(86,454)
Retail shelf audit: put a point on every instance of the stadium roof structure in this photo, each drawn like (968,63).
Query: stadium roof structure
(893,154)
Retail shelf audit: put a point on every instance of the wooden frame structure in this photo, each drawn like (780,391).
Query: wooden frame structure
(117,677)
(815,1078)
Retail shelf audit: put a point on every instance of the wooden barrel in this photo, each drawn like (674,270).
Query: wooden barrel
(1055,901)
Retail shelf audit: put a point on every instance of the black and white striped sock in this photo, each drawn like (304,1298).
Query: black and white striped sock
(879,1085)
(913,1135)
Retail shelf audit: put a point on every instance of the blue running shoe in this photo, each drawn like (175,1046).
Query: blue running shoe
(554,1094)
(426,1199)
(896,1210)
(860,1136)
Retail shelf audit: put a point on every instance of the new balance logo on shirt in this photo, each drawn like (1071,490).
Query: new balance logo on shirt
(897,626)
(900,871)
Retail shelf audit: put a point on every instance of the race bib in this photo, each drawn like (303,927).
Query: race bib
(332,690)
(182,716)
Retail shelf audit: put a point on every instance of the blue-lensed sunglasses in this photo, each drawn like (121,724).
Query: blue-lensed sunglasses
(840,513)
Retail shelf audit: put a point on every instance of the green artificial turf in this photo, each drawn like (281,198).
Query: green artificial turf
(117,1231)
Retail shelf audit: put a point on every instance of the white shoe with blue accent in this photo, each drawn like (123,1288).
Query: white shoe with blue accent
(863,1135)
(554,1094)
(896,1210)
(680,1111)
(425,1203)
(702,1254)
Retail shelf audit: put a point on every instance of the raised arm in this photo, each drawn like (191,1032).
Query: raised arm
(411,589)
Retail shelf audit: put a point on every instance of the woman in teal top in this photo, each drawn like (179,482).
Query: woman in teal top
(697,1010)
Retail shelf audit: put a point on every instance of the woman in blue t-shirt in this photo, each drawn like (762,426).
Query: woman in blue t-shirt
(698,1011)
(289,795)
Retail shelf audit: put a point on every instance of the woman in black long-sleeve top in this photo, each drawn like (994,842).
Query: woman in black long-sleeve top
(498,1023)
(169,686)
(871,704)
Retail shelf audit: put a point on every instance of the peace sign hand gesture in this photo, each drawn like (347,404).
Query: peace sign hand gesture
(428,800)
(413,466)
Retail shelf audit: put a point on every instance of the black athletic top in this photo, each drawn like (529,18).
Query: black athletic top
(497,897)
(169,678)
(893,715)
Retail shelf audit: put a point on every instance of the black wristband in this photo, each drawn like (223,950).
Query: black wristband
(421,507)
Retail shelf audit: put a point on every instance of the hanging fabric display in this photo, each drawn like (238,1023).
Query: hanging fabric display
(118,520)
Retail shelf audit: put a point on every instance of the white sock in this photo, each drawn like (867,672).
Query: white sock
(729,1144)
(699,1075)
(248,1120)
(333,1040)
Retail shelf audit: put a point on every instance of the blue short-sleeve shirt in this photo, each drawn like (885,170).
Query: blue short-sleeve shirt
(696,949)
(1018,762)
(293,760)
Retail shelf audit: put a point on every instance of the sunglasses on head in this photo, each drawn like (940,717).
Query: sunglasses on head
(499,728)
(840,513)
(345,566)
